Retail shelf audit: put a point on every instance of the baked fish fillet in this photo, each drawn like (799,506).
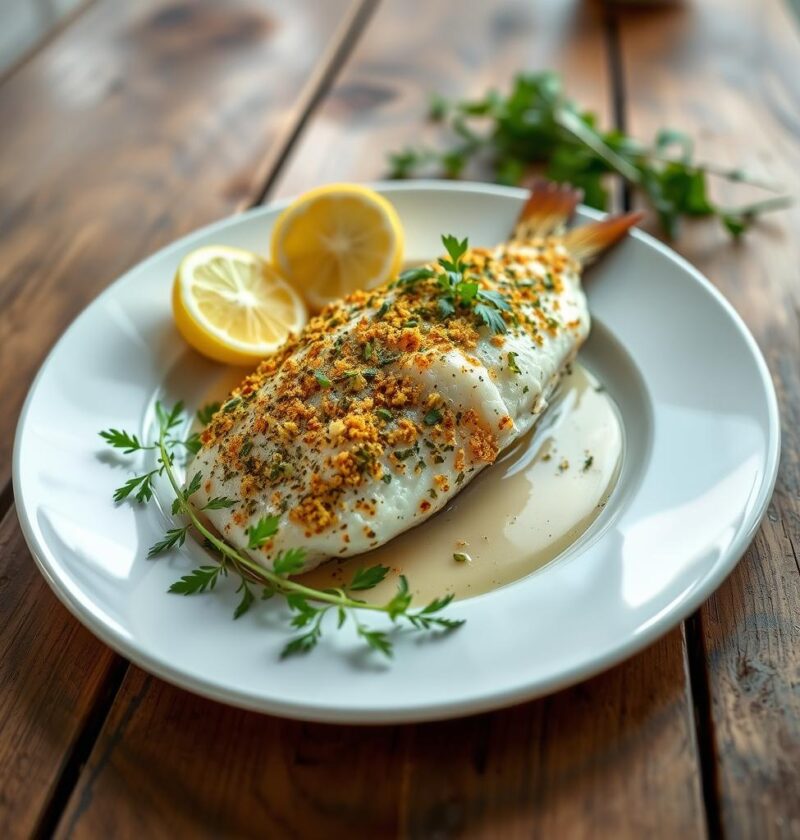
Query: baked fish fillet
(391,401)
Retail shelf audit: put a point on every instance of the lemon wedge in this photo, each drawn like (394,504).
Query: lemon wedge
(233,306)
(335,240)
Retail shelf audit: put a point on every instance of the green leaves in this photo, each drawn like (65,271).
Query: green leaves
(140,486)
(192,444)
(175,537)
(205,414)
(495,299)
(123,440)
(456,249)
(219,502)
(367,578)
(488,310)
(308,606)
(181,501)
(303,644)
(401,600)
(289,562)
(246,602)
(322,380)
(456,291)
(376,639)
(263,530)
(535,125)
(445,307)
(512,362)
(427,618)
(735,225)
(167,420)
(201,579)
(193,486)
(491,318)
(432,417)
(414,275)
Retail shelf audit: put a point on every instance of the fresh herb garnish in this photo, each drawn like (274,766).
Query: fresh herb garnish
(536,125)
(512,362)
(368,577)
(233,403)
(322,380)
(413,275)
(122,440)
(491,318)
(198,580)
(219,502)
(140,487)
(456,291)
(205,414)
(262,531)
(308,606)
(175,537)
(432,417)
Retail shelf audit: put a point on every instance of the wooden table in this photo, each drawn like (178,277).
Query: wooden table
(137,122)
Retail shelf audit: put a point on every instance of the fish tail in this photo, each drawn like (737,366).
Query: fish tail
(587,242)
(548,209)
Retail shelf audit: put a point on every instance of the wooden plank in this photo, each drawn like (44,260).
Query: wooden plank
(136,124)
(52,674)
(574,765)
(726,71)
(200,769)
(381,103)
(615,756)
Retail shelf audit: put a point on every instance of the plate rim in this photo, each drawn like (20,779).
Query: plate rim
(487,699)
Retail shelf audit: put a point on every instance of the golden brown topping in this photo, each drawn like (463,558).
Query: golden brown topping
(351,383)
(482,443)
(406,432)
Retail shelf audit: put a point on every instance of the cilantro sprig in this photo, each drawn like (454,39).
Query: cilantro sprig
(140,487)
(535,124)
(309,608)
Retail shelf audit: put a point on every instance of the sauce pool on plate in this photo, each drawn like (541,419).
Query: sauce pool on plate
(540,496)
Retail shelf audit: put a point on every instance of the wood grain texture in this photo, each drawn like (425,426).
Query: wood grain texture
(136,124)
(726,72)
(381,101)
(52,672)
(572,765)
(133,125)
(615,756)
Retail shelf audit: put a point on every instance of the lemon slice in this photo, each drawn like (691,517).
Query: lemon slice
(232,306)
(336,239)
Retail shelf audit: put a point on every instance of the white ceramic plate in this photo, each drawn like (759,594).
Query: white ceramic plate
(701,455)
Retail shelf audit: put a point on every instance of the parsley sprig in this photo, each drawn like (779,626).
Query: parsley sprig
(310,608)
(536,125)
(456,290)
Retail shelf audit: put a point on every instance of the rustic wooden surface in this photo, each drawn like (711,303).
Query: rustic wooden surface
(102,161)
(729,69)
